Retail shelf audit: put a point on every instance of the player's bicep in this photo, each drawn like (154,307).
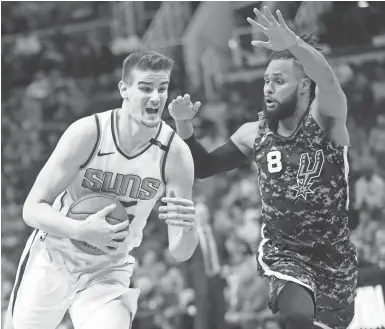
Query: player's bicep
(331,102)
(179,170)
(71,152)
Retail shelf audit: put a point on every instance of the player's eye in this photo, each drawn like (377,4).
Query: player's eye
(279,81)
(162,90)
(267,81)
(145,89)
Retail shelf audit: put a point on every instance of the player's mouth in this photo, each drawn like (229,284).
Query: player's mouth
(270,103)
(152,110)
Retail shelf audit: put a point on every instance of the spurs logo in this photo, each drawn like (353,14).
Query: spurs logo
(305,174)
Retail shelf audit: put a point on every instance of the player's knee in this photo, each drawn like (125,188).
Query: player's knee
(296,321)
(295,299)
(296,306)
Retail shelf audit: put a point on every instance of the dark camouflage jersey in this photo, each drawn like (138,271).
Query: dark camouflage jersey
(303,182)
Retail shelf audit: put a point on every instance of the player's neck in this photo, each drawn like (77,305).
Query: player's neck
(133,135)
(288,126)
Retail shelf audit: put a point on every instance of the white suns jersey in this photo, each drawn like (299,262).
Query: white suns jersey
(136,180)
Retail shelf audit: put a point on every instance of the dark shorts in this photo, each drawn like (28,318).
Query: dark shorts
(330,274)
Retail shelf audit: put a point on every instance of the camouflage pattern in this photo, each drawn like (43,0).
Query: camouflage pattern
(330,273)
(303,182)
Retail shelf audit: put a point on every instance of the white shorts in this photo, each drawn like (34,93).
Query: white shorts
(45,287)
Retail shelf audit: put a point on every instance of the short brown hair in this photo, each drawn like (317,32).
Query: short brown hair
(147,60)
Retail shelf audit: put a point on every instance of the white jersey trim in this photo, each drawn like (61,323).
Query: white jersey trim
(92,155)
(346,171)
(164,158)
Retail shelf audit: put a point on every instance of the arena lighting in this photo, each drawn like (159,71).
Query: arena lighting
(363,4)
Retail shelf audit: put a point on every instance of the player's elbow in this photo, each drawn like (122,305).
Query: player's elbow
(183,253)
(181,256)
(27,213)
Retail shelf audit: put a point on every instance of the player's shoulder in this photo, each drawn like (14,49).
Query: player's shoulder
(244,137)
(84,126)
(84,129)
(249,127)
(178,147)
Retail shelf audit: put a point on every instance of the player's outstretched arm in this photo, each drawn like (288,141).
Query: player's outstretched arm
(179,213)
(224,158)
(72,150)
(330,97)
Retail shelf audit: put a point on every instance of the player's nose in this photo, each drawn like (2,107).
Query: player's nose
(268,89)
(155,98)
(154,103)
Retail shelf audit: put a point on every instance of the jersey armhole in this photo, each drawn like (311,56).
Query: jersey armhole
(96,143)
(164,157)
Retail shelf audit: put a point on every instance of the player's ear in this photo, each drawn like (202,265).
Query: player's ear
(124,89)
(304,85)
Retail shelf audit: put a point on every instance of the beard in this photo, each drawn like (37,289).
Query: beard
(282,110)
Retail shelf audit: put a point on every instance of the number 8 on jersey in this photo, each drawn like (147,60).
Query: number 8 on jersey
(274,163)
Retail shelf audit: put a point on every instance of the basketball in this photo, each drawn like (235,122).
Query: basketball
(90,204)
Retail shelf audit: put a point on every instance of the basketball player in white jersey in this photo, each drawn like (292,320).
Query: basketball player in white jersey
(131,154)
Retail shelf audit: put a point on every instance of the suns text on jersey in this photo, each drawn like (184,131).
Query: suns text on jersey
(133,185)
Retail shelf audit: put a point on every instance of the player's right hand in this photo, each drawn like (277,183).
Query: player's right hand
(181,108)
(96,231)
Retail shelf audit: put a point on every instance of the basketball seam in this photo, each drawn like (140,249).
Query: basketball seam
(87,198)
(90,197)
(92,213)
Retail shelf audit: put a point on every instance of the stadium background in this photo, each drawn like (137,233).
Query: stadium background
(62,60)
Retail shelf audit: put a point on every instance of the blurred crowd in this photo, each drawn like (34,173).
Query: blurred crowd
(50,82)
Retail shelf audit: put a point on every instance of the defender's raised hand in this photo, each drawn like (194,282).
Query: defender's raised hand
(280,36)
(182,108)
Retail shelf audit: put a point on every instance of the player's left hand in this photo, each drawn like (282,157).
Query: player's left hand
(280,36)
(178,212)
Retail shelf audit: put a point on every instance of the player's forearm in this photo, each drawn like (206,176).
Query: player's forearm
(43,217)
(205,164)
(224,158)
(314,63)
(183,244)
(184,128)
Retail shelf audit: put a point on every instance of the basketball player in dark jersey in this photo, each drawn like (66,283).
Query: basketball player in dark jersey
(300,148)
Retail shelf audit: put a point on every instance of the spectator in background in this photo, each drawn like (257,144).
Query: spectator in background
(169,315)
(150,266)
(247,293)
(203,270)
(377,141)
(124,44)
(27,44)
(379,246)
(213,137)
(363,235)
(370,188)
(148,303)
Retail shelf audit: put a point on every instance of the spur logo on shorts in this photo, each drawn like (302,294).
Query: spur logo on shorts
(307,171)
